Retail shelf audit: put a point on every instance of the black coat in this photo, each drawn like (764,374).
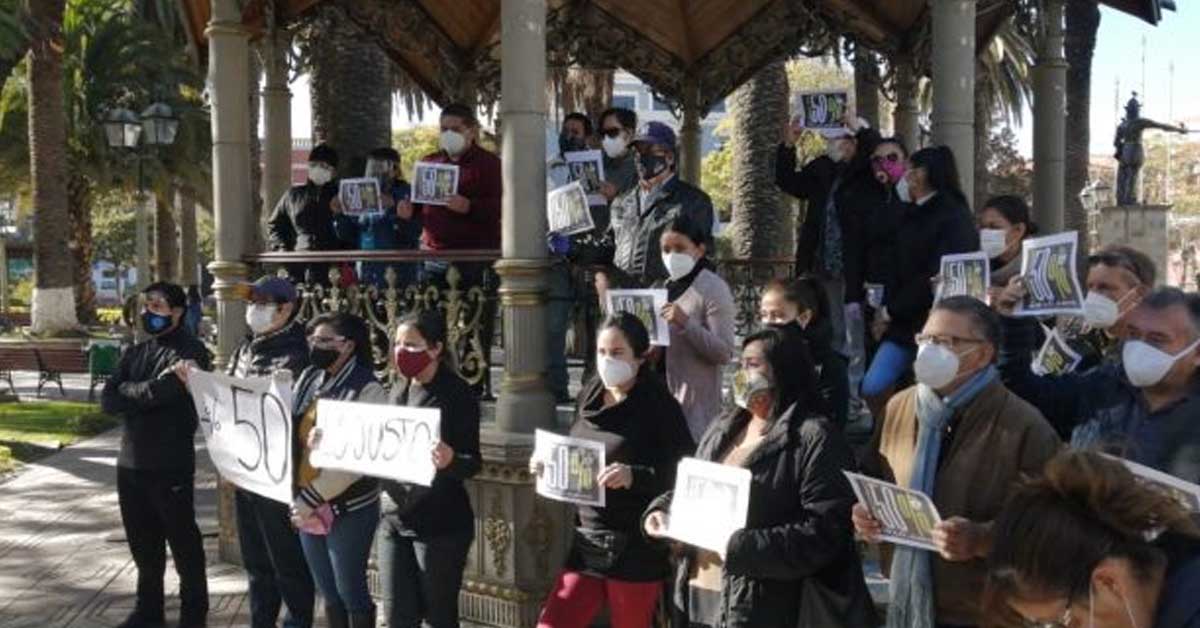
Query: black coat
(942,226)
(882,225)
(302,219)
(832,383)
(632,240)
(444,507)
(798,543)
(648,432)
(285,349)
(160,419)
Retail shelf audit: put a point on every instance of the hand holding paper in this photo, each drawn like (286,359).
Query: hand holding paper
(656,524)
(867,526)
(959,540)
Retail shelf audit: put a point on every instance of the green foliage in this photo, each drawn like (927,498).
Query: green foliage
(21,292)
(1008,172)
(716,178)
(413,144)
(32,429)
(114,227)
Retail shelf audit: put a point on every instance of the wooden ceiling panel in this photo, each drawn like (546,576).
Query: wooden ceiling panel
(711,22)
(462,20)
(656,20)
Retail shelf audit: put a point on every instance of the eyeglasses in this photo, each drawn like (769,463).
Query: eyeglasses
(611,132)
(324,341)
(945,340)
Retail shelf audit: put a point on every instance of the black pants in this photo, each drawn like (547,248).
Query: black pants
(274,562)
(157,510)
(420,576)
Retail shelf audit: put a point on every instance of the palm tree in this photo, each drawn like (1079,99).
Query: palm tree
(1082,23)
(761,214)
(1004,88)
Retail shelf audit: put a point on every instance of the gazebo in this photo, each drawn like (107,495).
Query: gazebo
(692,53)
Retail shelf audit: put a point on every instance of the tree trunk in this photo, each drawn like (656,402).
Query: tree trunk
(866,87)
(351,93)
(166,240)
(586,90)
(188,237)
(53,296)
(762,216)
(82,244)
(1082,22)
(983,131)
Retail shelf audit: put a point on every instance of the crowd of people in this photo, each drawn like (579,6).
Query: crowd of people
(1038,526)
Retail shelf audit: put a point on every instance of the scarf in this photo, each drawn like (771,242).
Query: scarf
(912,569)
(675,289)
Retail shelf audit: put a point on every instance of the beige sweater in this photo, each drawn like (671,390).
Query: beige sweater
(700,349)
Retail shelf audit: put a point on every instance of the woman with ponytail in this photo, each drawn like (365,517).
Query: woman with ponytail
(1088,544)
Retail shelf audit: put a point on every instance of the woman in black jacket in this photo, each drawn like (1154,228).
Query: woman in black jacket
(631,412)
(795,563)
(936,221)
(426,532)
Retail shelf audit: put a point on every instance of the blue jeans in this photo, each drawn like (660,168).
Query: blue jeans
(339,560)
(891,361)
(560,296)
(274,562)
(420,576)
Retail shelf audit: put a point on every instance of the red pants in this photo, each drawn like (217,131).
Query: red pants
(576,599)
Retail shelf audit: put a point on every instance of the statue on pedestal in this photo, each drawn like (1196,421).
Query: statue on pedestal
(1130,155)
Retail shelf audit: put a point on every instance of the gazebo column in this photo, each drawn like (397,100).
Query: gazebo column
(228,66)
(953,53)
(1049,122)
(277,118)
(689,135)
(905,115)
(520,539)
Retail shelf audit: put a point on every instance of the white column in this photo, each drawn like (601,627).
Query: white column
(905,120)
(228,65)
(277,121)
(524,403)
(954,84)
(1049,122)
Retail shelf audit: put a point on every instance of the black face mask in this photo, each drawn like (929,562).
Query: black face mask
(651,165)
(155,323)
(323,358)
(569,143)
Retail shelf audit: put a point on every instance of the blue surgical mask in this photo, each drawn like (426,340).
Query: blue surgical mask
(155,323)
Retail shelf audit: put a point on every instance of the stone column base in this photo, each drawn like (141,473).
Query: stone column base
(1143,227)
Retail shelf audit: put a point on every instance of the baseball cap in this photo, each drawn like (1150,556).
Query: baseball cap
(836,132)
(275,289)
(656,133)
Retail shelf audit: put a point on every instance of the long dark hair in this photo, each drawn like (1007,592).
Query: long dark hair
(942,170)
(1014,209)
(791,366)
(632,328)
(1055,529)
(350,327)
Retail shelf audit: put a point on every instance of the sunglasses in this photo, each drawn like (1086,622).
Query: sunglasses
(611,132)
(892,158)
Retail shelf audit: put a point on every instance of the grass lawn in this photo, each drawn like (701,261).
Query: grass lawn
(32,429)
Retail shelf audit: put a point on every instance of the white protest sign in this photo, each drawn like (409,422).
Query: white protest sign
(1186,493)
(570,467)
(247,426)
(710,503)
(383,441)
(587,167)
(906,516)
(1051,280)
(964,274)
(647,305)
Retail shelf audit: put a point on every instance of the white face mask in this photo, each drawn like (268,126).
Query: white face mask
(902,191)
(614,146)
(1146,365)
(259,316)
(936,365)
(453,142)
(836,152)
(319,175)
(1101,312)
(991,241)
(678,264)
(613,372)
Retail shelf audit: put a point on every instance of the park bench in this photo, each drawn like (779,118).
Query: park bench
(52,362)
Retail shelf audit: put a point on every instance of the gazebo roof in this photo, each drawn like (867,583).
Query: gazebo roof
(686,50)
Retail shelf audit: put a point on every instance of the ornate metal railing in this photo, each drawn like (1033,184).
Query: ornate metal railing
(746,278)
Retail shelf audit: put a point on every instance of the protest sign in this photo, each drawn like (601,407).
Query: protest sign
(567,210)
(964,274)
(646,305)
(1056,357)
(383,441)
(570,467)
(434,183)
(821,109)
(247,427)
(1186,493)
(1049,272)
(907,516)
(360,197)
(709,504)
(587,167)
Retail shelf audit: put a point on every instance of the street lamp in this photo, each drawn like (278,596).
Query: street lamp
(123,129)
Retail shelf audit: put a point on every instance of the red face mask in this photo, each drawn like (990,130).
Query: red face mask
(410,363)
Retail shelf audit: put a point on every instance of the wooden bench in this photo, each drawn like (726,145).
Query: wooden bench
(50,362)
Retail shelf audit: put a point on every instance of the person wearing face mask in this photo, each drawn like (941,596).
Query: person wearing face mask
(1143,407)
(381,231)
(1087,544)
(962,438)
(575,135)
(157,461)
(797,309)
(795,562)
(628,409)
(889,162)
(700,314)
(271,552)
(336,511)
(426,532)
(934,222)
(617,129)
(303,217)
(1004,223)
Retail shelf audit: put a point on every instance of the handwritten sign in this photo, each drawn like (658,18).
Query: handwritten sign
(434,183)
(1051,282)
(964,274)
(1186,493)
(821,109)
(383,441)
(360,197)
(247,427)
(569,468)
(907,516)
(567,210)
(709,504)
(647,305)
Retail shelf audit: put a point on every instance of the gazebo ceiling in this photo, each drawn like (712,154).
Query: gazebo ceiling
(689,51)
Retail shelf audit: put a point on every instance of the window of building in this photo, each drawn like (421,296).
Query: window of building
(625,101)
